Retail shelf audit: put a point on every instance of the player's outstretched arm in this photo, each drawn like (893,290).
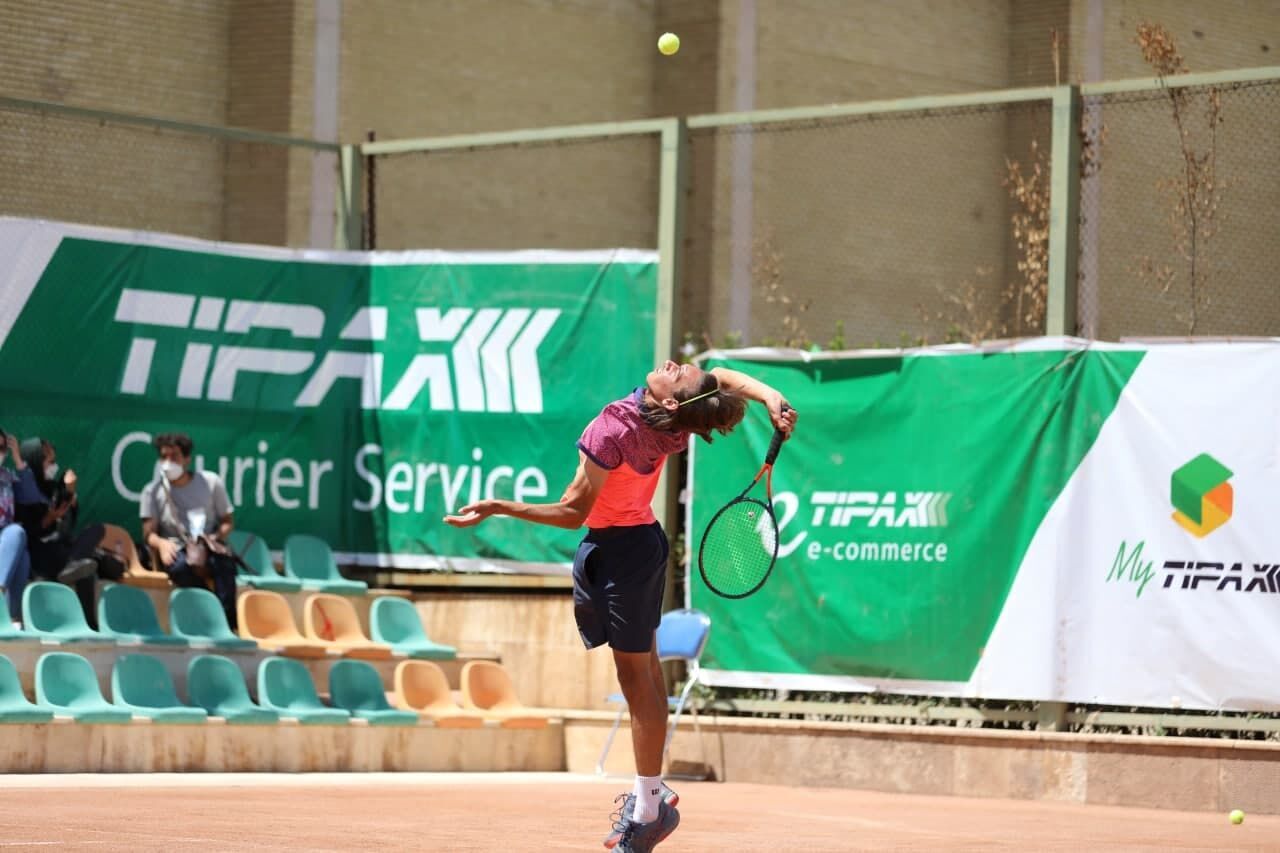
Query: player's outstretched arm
(782,413)
(570,512)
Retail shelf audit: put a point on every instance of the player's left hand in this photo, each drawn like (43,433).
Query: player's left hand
(472,514)
(782,413)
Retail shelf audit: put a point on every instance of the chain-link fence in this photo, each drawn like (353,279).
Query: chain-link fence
(883,229)
(584,193)
(160,176)
(1179,234)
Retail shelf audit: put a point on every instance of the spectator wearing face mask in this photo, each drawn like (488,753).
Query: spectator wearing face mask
(15,561)
(49,517)
(186,517)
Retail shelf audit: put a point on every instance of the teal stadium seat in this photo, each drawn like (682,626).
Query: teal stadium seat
(15,707)
(261,572)
(356,687)
(66,683)
(310,560)
(7,631)
(196,615)
(52,612)
(216,684)
(141,684)
(285,686)
(126,615)
(395,621)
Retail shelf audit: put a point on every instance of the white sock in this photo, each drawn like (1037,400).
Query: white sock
(648,793)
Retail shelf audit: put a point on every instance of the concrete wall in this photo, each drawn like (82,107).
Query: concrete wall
(143,747)
(1189,774)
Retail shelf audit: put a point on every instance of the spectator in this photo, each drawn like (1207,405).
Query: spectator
(15,561)
(186,516)
(49,516)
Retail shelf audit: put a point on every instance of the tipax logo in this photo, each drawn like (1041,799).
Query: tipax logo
(1201,495)
(916,509)
(491,365)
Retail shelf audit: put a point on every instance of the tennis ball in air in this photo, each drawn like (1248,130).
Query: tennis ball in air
(1237,817)
(668,43)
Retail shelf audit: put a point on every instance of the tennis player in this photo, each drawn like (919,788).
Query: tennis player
(619,571)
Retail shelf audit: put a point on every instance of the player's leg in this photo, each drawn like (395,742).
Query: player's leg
(647,705)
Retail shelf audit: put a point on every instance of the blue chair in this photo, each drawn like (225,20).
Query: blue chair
(15,707)
(141,684)
(258,570)
(682,636)
(395,621)
(126,615)
(67,684)
(196,615)
(216,684)
(52,613)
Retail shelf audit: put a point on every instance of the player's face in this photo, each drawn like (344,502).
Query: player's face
(674,381)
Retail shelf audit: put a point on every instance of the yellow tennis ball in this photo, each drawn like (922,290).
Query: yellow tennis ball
(668,43)
(1237,817)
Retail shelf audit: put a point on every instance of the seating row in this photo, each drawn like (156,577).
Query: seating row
(66,686)
(127,615)
(309,565)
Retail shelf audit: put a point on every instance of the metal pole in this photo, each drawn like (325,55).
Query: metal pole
(1064,212)
(371,198)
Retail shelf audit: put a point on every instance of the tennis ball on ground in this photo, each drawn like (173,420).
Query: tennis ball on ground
(668,43)
(1237,817)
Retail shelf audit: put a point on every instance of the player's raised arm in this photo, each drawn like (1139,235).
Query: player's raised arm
(782,413)
(570,512)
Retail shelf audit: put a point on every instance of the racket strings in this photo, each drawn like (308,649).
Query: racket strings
(739,548)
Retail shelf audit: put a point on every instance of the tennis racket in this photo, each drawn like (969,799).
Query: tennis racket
(740,545)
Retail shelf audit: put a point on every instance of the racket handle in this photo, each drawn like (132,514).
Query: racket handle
(776,444)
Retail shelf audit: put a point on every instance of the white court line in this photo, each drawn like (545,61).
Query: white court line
(289,780)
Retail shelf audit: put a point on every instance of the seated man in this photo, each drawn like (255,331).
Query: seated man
(186,516)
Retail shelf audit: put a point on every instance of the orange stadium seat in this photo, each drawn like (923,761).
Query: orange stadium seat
(332,620)
(487,688)
(265,617)
(421,685)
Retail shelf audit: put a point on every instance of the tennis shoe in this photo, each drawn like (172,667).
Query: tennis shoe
(629,836)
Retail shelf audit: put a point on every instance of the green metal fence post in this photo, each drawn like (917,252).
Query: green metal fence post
(1064,212)
(671,194)
(349,223)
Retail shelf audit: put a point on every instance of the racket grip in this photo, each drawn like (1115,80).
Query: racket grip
(776,444)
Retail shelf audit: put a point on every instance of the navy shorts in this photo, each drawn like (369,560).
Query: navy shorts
(619,575)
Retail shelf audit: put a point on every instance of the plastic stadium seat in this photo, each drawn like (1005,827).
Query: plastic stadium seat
(395,621)
(421,686)
(309,559)
(682,635)
(285,686)
(262,572)
(487,688)
(216,684)
(15,707)
(126,614)
(7,631)
(265,617)
(332,621)
(66,683)
(52,612)
(197,615)
(141,684)
(355,686)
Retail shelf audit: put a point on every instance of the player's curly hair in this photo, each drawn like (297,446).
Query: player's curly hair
(720,411)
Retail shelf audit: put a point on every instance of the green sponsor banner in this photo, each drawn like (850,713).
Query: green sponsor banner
(357,397)
(906,501)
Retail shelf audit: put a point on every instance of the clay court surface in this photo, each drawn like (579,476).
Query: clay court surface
(463,811)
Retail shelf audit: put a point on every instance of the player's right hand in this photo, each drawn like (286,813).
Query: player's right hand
(472,514)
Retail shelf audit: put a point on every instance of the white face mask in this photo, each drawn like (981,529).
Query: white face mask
(51,470)
(171,470)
